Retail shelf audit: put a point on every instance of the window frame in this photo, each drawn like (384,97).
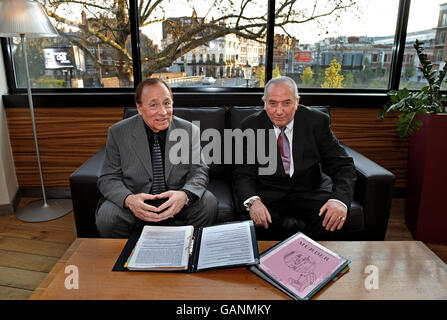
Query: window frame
(108,96)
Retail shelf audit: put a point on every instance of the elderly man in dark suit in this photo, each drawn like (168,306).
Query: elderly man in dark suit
(140,182)
(313,184)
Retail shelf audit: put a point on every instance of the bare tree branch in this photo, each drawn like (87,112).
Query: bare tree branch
(148,10)
(84,3)
(93,32)
(110,26)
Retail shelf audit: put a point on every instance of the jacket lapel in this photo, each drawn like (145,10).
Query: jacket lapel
(140,145)
(168,146)
(298,139)
(268,125)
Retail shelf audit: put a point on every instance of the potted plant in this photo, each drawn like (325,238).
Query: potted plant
(423,118)
(428,100)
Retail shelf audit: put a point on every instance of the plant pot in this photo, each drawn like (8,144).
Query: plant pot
(426,209)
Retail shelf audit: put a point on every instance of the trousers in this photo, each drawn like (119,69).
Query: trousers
(292,214)
(113,221)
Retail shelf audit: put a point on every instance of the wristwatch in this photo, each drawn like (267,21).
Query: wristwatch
(250,201)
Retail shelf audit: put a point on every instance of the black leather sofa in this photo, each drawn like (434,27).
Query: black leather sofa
(369,211)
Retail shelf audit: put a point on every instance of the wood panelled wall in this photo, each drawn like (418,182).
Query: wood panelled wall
(376,139)
(69,136)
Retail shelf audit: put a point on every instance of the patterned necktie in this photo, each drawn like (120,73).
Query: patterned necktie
(159,185)
(284,148)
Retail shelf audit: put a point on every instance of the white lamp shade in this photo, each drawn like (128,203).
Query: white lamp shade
(24,17)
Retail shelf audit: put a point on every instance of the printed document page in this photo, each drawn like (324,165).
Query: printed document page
(162,248)
(227,244)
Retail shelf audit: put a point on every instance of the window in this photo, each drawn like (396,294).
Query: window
(439,56)
(339,50)
(208,27)
(320,44)
(444,19)
(430,29)
(92,51)
(441,38)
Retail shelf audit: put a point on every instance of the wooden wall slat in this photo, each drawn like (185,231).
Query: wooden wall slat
(69,136)
(376,139)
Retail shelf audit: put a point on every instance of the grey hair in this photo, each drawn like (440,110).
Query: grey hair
(278,80)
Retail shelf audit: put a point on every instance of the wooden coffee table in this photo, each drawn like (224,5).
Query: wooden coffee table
(407,270)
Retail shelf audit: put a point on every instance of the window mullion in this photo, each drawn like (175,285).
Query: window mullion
(399,44)
(270,40)
(135,39)
(9,68)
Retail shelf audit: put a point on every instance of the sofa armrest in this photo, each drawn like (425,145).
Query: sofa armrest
(85,195)
(374,190)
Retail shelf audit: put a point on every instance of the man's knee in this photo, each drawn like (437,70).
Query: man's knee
(113,221)
(318,232)
(205,212)
(210,205)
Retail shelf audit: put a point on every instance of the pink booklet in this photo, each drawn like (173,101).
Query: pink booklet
(299,266)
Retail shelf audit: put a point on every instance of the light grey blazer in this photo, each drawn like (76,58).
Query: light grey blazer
(127,166)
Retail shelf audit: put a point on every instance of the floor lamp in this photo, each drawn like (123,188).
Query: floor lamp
(28,19)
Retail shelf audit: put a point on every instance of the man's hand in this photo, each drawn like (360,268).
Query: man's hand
(260,214)
(143,211)
(335,215)
(176,201)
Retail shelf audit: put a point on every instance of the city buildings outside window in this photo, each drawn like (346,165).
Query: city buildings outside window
(348,50)
(185,41)
(93,50)
(226,35)
(433,37)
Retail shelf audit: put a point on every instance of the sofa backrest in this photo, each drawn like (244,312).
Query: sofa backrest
(217,118)
(208,118)
(237,114)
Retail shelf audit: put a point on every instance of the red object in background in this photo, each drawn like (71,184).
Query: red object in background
(426,211)
(303,57)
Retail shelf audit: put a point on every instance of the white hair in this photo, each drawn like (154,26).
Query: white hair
(278,80)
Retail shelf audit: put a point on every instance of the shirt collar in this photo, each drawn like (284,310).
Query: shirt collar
(150,133)
(289,126)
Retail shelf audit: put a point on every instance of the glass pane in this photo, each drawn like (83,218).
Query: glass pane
(93,50)
(427,23)
(335,44)
(203,43)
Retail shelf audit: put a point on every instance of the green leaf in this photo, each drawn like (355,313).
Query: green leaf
(427,99)
(417,122)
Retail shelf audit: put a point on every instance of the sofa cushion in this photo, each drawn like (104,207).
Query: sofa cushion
(221,188)
(238,114)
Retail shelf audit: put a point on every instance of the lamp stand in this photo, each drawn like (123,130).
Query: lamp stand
(40,210)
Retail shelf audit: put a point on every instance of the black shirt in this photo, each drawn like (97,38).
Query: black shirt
(162,141)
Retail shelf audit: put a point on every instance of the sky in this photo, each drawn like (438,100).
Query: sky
(378,18)
(373,18)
